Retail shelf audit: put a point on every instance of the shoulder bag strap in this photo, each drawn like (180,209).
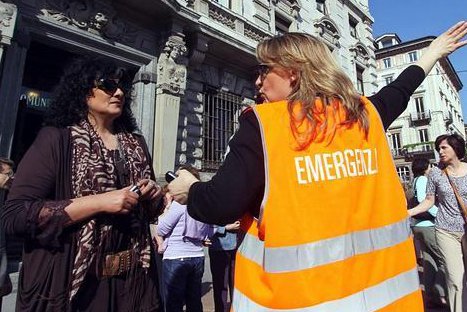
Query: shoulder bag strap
(415,187)
(463,209)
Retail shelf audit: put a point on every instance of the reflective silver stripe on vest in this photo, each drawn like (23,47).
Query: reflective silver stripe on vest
(367,300)
(306,256)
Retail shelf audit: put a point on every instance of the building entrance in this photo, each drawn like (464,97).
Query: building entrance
(43,68)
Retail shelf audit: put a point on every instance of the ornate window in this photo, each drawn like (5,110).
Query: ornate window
(288,7)
(360,54)
(328,30)
(220,121)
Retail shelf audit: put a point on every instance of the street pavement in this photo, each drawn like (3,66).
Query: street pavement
(208,304)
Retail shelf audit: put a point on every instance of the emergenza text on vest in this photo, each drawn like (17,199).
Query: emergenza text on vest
(336,165)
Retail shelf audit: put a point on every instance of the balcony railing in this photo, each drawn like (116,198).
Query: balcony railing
(423,149)
(398,152)
(420,118)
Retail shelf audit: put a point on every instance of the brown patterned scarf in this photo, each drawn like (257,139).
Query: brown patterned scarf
(94,172)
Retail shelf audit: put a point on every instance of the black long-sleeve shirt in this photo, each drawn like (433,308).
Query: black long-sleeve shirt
(238,186)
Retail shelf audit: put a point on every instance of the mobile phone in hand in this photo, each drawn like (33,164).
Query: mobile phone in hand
(170,176)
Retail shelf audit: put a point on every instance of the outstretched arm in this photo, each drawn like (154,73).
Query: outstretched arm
(444,45)
(426,204)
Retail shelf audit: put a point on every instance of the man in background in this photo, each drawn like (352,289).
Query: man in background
(6,178)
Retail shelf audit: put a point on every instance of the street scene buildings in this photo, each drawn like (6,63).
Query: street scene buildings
(194,62)
(434,109)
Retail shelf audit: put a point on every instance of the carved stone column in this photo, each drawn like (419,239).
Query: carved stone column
(144,97)
(171,84)
(8,14)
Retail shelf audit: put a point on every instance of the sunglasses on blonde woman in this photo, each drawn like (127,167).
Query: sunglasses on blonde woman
(262,70)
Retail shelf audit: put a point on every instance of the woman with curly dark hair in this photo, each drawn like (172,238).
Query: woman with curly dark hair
(85,224)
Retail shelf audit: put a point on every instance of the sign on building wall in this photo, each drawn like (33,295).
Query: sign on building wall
(35,99)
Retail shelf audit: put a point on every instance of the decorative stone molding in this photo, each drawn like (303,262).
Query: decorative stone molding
(222,16)
(8,14)
(171,68)
(290,7)
(360,54)
(190,3)
(328,30)
(254,34)
(94,17)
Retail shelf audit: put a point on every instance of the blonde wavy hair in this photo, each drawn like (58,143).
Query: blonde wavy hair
(318,78)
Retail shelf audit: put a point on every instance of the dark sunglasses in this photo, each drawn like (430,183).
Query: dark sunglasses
(108,85)
(262,70)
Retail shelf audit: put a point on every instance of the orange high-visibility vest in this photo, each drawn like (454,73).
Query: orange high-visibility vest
(332,233)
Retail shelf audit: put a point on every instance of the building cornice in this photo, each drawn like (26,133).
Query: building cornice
(404,47)
(204,15)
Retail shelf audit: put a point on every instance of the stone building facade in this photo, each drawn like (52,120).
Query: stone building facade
(434,108)
(193,62)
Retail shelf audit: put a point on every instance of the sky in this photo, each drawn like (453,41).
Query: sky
(413,19)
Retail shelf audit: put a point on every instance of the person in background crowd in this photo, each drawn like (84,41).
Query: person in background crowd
(449,223)
(158,240)
(6,179)
(86,234)
(311,177)
(222,263)
(183,259)
(424,231)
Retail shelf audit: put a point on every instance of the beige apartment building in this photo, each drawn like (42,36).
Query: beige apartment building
(434,108)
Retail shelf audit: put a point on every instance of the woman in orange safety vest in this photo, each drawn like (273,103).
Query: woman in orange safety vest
(311,173)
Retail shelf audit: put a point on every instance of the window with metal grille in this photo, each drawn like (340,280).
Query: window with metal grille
(220,121)
(404,173)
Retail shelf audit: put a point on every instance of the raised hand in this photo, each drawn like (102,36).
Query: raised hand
(445,44)
(449,41)
(179,187)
